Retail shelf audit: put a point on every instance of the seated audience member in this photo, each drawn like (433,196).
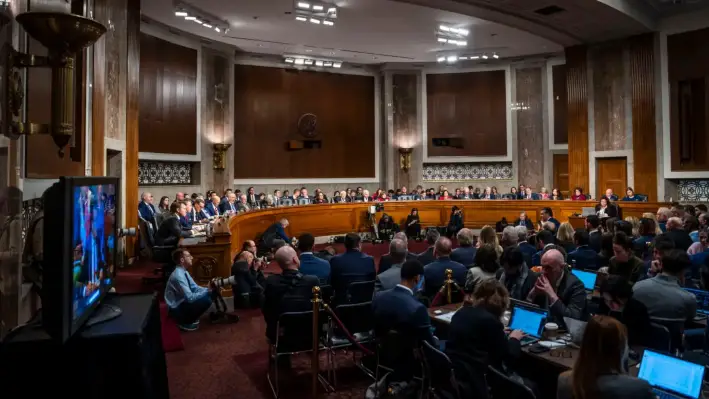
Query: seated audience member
(477,339)
(509,237)
(606,253)
(610,195)
(523,244)
(691,226)
(630,195)
(515,275)
(663,215)
(700,255)
(427,256)
(247,270)
(544,239)
(565,237)
(484,268)
(413,224)
(547,215)
(624,263)
(660,245)
(398,310)
(618,301)
(558,290)
(146,210)
(488,236)
(583,257)
(289,291)
(435,272)
(646,233)
(523,220)
(599,371)
(186,301)
(385,262)
(171,230)
(164,205)
(311,265)
(605,209)
(465,253)
(663,294)
(349,267)
(390,278)
(578,195)
(456,222)
(594,234)
(676,231)
(625,227)
(276,231)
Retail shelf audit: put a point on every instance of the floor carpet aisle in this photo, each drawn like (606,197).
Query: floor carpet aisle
(230,361)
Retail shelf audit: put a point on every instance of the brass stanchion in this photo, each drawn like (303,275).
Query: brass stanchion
(449,285)
(316,341)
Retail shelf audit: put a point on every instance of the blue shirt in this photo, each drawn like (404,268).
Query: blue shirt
(181,287)
(694,236)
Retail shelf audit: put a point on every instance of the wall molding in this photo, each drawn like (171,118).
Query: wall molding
(594,156)
(195,45)
(273,62)
(549,88)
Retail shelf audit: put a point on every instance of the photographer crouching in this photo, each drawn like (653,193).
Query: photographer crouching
(247,271)
(187,301)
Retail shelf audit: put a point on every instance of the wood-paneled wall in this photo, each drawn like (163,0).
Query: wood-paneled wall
(168,97)
(609,95)
(406,131)
(561,134)
(530,127)
(688,63)
(132,116)
(267,105)
(577,111)
(469,106)
(642,81)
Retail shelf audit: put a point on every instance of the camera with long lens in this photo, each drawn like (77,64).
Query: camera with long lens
(224,282)
(127,232)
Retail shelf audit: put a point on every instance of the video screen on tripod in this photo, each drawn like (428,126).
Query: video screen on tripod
(93,243)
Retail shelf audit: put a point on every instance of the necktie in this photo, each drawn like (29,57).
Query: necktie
(231,206)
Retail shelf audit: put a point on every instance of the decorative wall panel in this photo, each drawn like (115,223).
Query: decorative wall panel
(577,101)
(434,172)
(164,173)
(216,78)
(530,127)
(116,48)
(609,97)
(694,190)
(406,129)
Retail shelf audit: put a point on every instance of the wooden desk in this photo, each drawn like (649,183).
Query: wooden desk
(332,219)
(212,258)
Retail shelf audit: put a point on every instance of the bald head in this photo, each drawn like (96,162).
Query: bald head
(674,223)
(245,256)
(553,265)
(287,258)
(397,250)
(401,236)
(443,247)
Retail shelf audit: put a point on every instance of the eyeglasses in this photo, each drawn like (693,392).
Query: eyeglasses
(562,353)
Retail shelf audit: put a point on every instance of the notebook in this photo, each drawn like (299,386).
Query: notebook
(588,278)
(530,320)
(670,376)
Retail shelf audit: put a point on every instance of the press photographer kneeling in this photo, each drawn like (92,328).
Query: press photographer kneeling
(187,301)
(248,279)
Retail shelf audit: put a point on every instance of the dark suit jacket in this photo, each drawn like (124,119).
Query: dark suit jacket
(611,210)
(350,267)
(556,223)
(170,232)
(311,265)
(476,339)
(186,222)
(635,318)
(681,238)
(464,255)
(146,211)
(585,258)
(610,386)
(435,274)
(426,256)
(594,240)
(289,291)
(527,223)
(225,207)
(397,309)
(571,303)
(212,209)
(385,262)
(528,251)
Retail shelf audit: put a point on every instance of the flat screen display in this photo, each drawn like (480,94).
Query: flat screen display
(529,321)
(672,374)
(587,278)
(93,244)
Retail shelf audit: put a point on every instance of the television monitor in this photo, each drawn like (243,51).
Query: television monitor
(80,234)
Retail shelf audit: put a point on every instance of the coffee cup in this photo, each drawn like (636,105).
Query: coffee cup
(550,331)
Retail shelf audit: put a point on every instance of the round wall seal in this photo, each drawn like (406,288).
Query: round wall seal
(307,124)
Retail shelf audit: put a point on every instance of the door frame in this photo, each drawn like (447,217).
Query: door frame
(593,174)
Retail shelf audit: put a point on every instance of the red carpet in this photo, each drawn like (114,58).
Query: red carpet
(230,361)
(171,338)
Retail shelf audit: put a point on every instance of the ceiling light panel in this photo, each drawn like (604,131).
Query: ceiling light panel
(315,13)
(452,58)
(196,15)
(311,62)
(452,35)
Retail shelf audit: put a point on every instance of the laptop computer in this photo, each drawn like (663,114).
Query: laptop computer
(702,302)
(576,329)
(588,278)
(588,211)
(671,377)
(530,320)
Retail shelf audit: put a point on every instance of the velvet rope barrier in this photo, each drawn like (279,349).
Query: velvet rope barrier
(350,337)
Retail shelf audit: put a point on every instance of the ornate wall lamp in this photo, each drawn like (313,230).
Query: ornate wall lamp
(219,157)
(405,158)
(63,35)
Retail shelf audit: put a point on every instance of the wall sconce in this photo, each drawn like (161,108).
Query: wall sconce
(219,158)
(405,158)
(63,35)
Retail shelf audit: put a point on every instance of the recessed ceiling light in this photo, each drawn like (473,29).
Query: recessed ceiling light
(198,21)
(444,28)
(327,64)
(207,25)
(475,57)
(180,13)
(289,60)
(442,40)
(299,61)
(318,7)
(485,56)
(301,19)
(308,62)
(307,50)
(315,21)
(441,59)
(337,65)
(452,58)
(495,56)
(318,63)
(190,18)
(303,5)
(328,22)
(217,29)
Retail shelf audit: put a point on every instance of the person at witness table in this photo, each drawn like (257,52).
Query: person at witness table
(523,220)
(477,339)
(558,290)
(201,213)
(624,263)
(600,369)
(618,301)
(187,219)
(413,224)
(487,194)
(515,274)
(311,265)
(547,215)
(556,195)
(513,193)
(578,195)
(604,209)
(610,195)
(544,193)
(445,196)
(630,195)
(455,223)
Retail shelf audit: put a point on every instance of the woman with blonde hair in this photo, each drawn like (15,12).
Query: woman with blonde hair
(565,237)
(601,370)
(635,222)
(652,216)
(488,236)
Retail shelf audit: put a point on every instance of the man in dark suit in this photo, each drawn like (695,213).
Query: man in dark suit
(386,261)
(212,206)
(678,234)
(310,264)
(465,254)
(276,231)
(547,215)
(201,213)
(525,221)
(350,267)
(545,238)
(558,290)
(146,210)
(229,205)
(189,218)
(435,273)
(251,197)
(583,257)
(171,230)
(390,278)
(426,257)
(594,234)
(527,249)
(611,196)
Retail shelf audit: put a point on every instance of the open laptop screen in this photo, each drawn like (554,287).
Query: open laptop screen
(671,374)
(702,300)
(587,278)
(529,321)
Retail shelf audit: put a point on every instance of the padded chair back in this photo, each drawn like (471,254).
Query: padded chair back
(326,292)
(404,198)
(147,232)
(360,291)
(158,217)
(439,372)
(659,338)
(304,201)
(667,331)
(643,197)
(395,351)
(295,331)
(285,202)
(503,387)
(508,196)
(357,318)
